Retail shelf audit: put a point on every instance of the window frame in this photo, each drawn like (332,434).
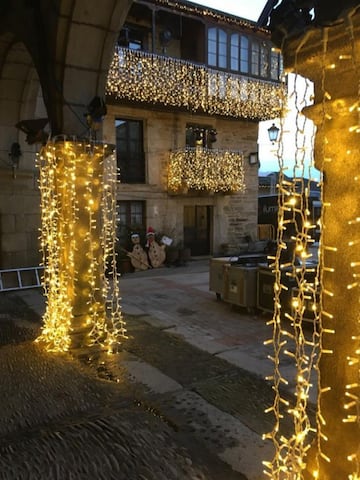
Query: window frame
(131,163)
(125,229)
(246,55)
(218,56)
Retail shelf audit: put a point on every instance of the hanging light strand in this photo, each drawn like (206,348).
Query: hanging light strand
(145,77)
(295,292)
(206,169)
(78,215)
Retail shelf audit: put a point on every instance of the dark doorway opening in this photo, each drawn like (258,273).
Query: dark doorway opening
(197,229)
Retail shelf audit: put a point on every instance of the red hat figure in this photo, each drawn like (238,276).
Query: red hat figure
(150,231)
(156,252)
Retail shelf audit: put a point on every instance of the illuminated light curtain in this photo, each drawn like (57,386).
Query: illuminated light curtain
(78,205)
(330,57)
(296,288)
(206,169)
(145,77)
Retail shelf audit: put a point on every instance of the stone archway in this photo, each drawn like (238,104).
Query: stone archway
(54,57)
(70,44)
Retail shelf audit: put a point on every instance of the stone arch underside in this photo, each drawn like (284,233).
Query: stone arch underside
(70,46)
(19,97)
(54,58)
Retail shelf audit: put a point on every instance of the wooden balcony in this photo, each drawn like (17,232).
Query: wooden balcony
(144,77)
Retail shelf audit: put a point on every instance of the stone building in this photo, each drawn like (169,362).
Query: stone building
(187,88)
(54,58)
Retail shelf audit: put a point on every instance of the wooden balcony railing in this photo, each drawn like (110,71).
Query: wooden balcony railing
(139,76)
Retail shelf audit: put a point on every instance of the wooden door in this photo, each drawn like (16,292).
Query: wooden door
(197,228)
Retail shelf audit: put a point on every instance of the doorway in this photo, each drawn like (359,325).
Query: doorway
(197,229)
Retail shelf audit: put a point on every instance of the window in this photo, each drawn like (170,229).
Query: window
(217,48)
(131,219)
(130,150)
(275,65)
(200,136)
(255,57)
(243,54)
(132,37)
(264,60)
(234,51)
(239,53)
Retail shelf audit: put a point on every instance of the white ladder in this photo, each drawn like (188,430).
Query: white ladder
(20,278)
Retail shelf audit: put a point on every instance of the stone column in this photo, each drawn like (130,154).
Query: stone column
(74,239)
(328,56)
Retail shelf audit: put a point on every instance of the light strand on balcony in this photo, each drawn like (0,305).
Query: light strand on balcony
(205,12)
(144,77)
(206,169)
(77,235)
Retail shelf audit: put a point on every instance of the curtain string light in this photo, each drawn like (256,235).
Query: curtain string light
(206,169)
(78,209)
(295,292)
(145,77)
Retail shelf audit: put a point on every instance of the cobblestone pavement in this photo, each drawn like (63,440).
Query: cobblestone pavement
(184,398)
(60,419)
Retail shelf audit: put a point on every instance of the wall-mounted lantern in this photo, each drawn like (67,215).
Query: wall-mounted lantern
(273,132)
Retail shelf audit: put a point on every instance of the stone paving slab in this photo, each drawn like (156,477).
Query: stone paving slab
(59,420)
(192,361)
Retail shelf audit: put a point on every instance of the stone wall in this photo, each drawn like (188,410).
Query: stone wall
(19,220)
(234,216)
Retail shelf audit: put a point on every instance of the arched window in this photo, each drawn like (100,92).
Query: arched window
(264,60)
(244,54)
(275,65)
(217,47)
(255,57)
(235,52)
(239,53)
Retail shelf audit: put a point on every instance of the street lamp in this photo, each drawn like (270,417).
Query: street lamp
(273,132)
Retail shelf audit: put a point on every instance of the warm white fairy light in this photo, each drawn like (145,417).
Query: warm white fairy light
(337,433)
(111,289)
(57,226)
(135,75)
(288,336)
(78,203)
(202,11)
(206,169)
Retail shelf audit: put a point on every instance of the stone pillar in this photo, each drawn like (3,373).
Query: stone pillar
(328,56)
(74,242)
